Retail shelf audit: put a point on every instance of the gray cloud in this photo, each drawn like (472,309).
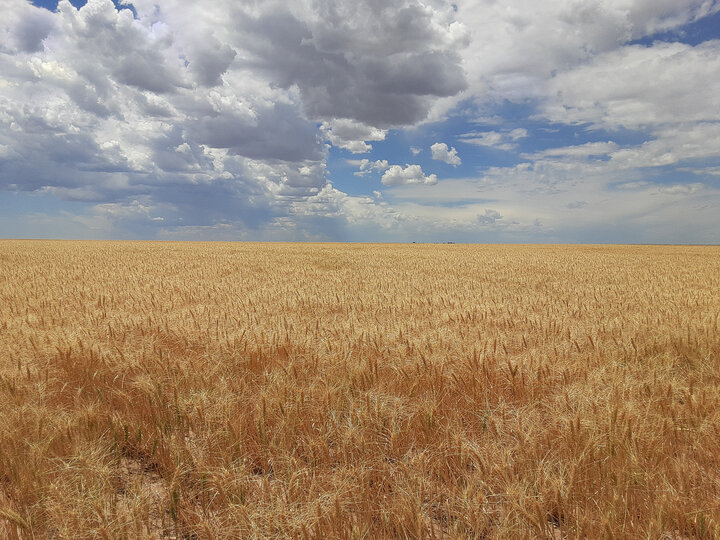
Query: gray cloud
(210,60)
(490,217)
(32,29)
(341,75)
(24,27)
(278,132)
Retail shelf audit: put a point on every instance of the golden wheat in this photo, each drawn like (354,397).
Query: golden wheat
(207,390)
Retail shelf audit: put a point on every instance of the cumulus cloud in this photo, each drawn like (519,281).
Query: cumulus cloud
(380,64)
(225,107)
(351,135)
(366,166)
(441,152)
(411,174)
(25,27)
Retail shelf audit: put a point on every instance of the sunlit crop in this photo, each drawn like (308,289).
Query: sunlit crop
(221,390)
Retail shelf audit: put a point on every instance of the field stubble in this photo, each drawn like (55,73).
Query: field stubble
(358,391)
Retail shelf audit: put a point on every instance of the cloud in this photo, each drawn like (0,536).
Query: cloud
(274,132)
(632,185)
(668,91)
(576,205)
(581,151)
(681,189)
(378,64)
(25,27)
(712,171)
(490,217)
(511,55)
(411,174)
(332,214)
(670,145)
(665,189)
(504,140)
(351,135)
(518,133)
(366,166)
(642,87)
(441,152)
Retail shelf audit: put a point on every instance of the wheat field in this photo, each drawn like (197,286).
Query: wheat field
(240,390)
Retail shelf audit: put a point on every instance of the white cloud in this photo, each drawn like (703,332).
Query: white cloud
(641,87)
(712,171)
(441,152)
(333,206)
(580,151)
(505,140)
(671,145)
(632,185)
(366,166)
(411,174)
(511,54)
(352,135)
(518,133)
(486,138)
(665,189)
(681,189)
(133,209)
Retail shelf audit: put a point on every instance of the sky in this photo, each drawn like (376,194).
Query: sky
(515,121)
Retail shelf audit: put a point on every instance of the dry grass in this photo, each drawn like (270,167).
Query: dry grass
(358,391)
